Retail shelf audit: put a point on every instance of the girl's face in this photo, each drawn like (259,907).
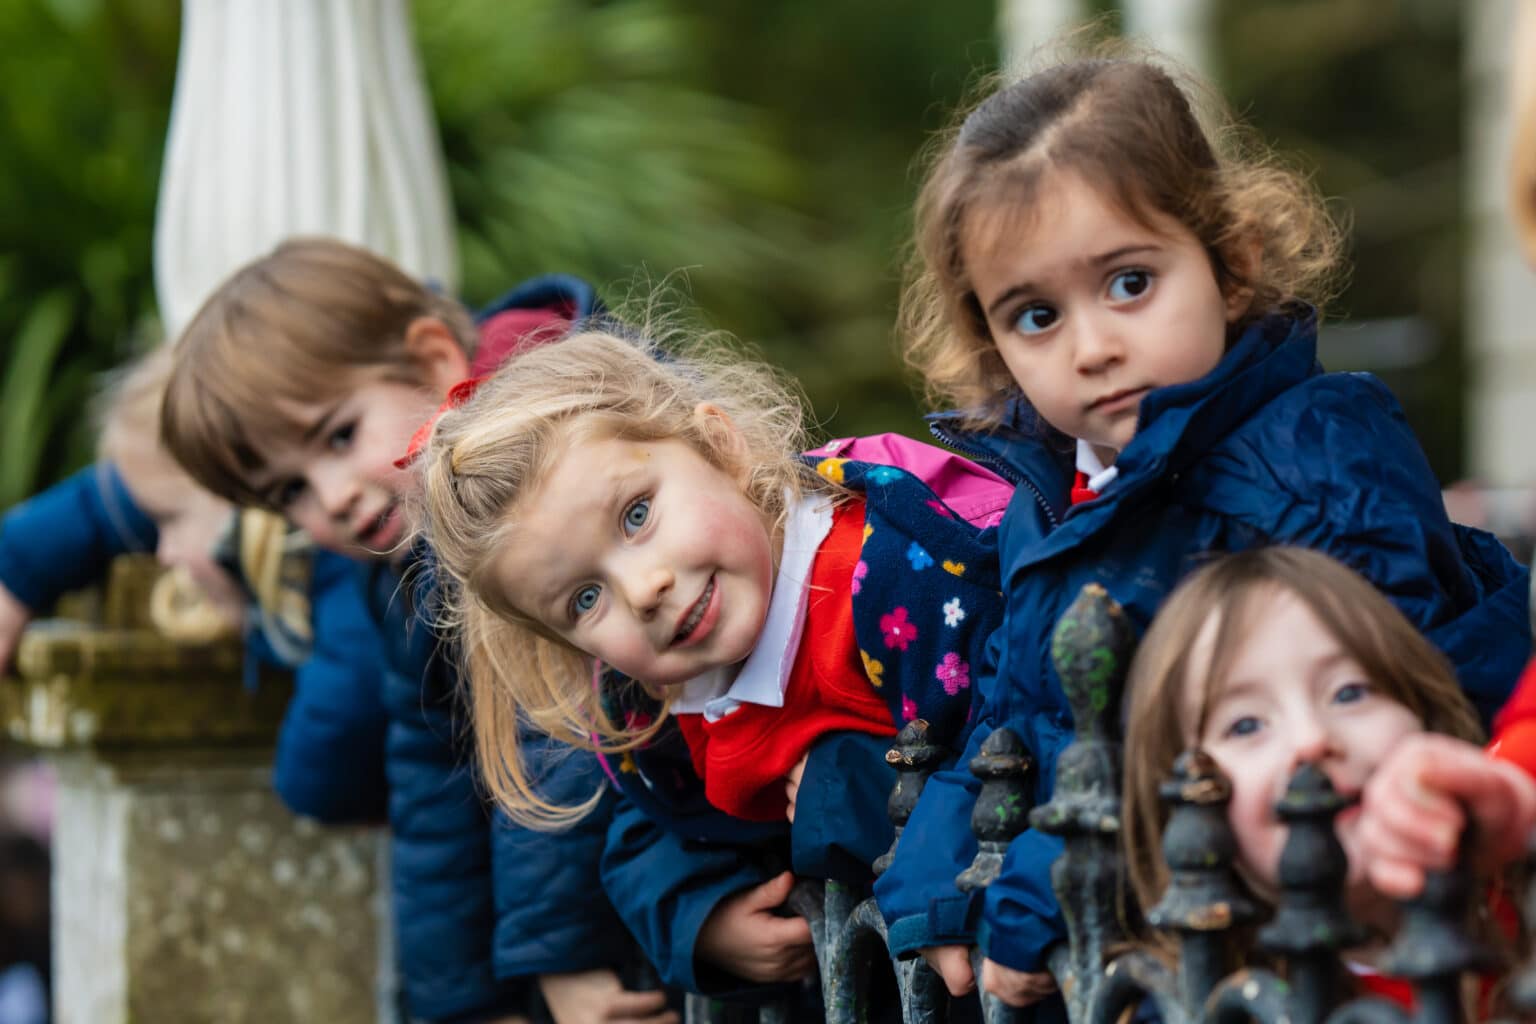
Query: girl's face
(642,554)
(1090,309)
(1292,696)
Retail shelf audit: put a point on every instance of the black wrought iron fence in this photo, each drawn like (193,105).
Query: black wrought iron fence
(1203,911)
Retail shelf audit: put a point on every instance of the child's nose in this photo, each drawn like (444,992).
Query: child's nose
(1096,345)
(334,492)
(646,589)
(1314,743)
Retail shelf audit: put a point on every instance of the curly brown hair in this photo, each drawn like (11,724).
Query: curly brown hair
(1126,127)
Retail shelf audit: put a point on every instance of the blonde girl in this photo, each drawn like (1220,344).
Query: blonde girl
(598,506)
(1123,308)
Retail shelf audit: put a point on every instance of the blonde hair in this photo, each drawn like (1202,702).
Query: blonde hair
(1396,659)
(128,412)
(1127,127)
(128,408)
(485,455)
(302,323)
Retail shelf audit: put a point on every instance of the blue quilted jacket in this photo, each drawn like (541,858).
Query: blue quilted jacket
(329,762)
(924,610)
(1266,449)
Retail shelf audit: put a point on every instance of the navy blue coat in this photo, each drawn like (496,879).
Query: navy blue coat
(1266,449)
(329,762)
(672,856)
(481,905)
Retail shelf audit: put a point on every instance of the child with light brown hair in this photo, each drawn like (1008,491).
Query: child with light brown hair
(1123,308)
(1279,657)
(296,388)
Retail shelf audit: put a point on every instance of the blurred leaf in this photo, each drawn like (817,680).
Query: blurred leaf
(36,348)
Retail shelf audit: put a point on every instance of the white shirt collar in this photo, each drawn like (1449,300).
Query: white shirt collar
(764,675)
(1090,465)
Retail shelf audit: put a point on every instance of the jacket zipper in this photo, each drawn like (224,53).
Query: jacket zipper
(996,464)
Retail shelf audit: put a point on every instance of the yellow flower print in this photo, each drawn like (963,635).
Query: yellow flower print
(872,668)
(954,568)
(832,469)
(627,763)
(868,529)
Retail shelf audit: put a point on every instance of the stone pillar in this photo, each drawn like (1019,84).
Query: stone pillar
(1500,286)
(183,891)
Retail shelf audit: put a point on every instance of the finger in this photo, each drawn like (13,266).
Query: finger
(1398,828)
(959,978)
(785,932)
(771,893)
(635,1005)
(1375,843)
(1401,880)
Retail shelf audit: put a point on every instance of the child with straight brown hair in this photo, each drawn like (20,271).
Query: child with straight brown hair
(1279,657)
(296,388)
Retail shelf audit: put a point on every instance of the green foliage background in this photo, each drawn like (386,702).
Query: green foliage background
(759,152)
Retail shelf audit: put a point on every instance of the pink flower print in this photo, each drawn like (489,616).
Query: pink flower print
(859,572)
(954,672)
(896,630)
(908,708)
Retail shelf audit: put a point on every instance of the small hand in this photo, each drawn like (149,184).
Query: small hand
(792,785)
(745,936)
(1415,806)
(1016,988)
(589,997)
(953,964)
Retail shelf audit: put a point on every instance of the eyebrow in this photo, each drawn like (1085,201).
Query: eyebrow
(1102,259)
(316,428)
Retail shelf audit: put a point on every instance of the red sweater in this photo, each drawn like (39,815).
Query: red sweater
(744,757)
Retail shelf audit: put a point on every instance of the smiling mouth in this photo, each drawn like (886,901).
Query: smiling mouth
(695,614)
(376,525)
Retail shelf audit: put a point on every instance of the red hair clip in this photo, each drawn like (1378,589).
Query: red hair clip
(460,393)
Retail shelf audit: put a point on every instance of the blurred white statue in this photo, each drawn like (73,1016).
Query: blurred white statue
(297,117)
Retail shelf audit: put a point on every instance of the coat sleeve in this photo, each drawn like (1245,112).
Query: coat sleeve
(440,832)
(329,763)
(64,538)
(917,895)
(665,886)
(552,915)
(841,826)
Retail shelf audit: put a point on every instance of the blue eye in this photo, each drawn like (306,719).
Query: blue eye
(1129,284)
(636,515)
(1245,726)
(585,599)
(1350,693)
(341,437)
(1035,319)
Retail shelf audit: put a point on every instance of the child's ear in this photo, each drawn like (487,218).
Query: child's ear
(435,350)
(1245,259)
(724,439)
